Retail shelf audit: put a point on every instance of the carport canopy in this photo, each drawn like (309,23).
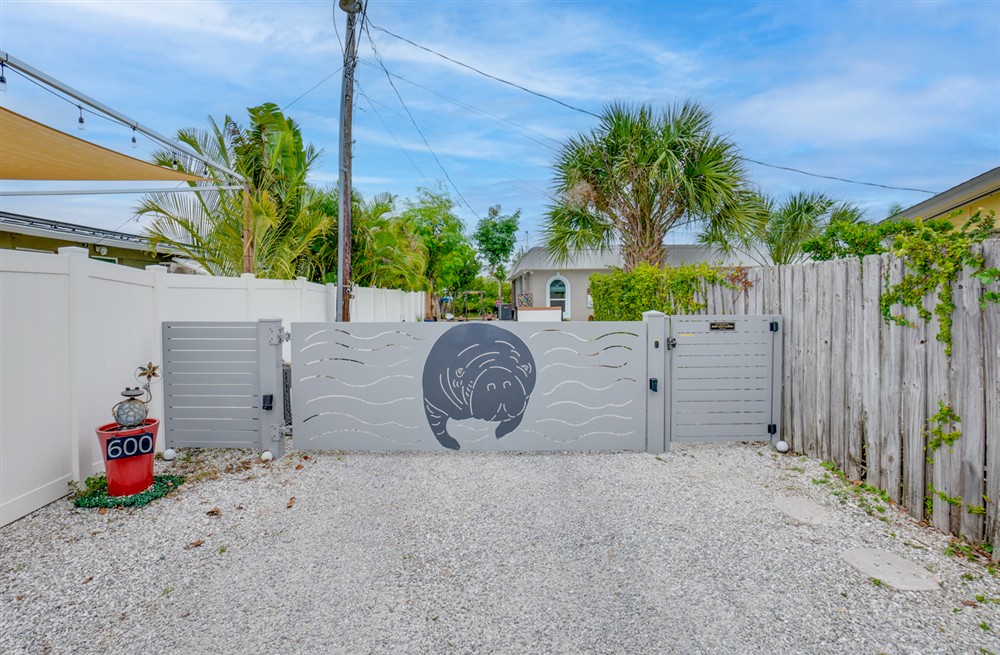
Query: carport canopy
(32,151)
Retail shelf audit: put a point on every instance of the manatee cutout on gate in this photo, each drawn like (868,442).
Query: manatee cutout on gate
(479,371)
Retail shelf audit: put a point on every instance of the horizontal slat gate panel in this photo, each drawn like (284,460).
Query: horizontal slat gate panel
(207,356)
(247,368)
(722,377)
(703,405)
(719,396)
(212,385)
(218,343)
(176,331)
(688,360)
(360,386)
(213,401)
(750,348)
(719,418)
(180,390)
(218,413)
(221,424)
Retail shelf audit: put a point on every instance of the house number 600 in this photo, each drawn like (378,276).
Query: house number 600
(130,446)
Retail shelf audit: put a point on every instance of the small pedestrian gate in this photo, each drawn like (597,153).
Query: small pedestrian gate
(477,385)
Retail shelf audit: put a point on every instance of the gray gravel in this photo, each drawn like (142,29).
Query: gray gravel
(483,553)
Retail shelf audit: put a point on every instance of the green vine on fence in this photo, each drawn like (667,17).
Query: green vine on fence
(937,436)
(934,259)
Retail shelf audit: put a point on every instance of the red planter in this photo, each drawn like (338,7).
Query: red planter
(128,456)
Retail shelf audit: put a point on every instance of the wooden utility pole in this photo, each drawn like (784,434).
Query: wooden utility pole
(248,265)
(352,7)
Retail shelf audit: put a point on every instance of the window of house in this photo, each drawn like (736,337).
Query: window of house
(558,294)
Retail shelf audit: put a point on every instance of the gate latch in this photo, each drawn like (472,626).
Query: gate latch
(653,384)
(671,343)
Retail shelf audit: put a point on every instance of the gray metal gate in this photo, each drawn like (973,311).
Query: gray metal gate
(477,385)
(223,385)
(472,386)
(725,378)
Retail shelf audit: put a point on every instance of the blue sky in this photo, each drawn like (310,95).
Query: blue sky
(896,93)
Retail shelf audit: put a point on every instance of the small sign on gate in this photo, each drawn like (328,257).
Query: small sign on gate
(722,325)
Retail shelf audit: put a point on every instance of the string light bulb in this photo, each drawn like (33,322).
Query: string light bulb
(80,124)
(135,144)
(3,77)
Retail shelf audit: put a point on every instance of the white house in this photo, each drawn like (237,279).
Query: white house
(538,281)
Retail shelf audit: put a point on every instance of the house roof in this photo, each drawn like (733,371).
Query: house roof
(538,259)
(32,151)
(958,196)
(43,227)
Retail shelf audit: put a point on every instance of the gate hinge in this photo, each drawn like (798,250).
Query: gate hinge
(277,335)
(671,343)
(774,326)
(276,433)
(772,428)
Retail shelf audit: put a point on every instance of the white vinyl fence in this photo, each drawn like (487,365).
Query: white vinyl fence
(73,330)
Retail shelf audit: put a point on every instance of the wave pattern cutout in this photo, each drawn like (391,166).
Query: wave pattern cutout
(581,339)
(573,402)
(374,434)
(354,336)
(361,420)
(589,420)
(554,364)
(587,386)
(387,346)
(582,436)
(356,386)
(594,354)
(360,400)
(354,361)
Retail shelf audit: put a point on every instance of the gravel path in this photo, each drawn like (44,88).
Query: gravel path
(483,553)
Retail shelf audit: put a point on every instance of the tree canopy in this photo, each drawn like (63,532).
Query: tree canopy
(641,173)
(778,237)
(208,226)
(495,237)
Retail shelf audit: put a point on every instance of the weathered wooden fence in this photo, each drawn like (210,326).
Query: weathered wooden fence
(860,393)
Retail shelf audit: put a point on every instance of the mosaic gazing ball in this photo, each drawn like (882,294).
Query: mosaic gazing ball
(130,413)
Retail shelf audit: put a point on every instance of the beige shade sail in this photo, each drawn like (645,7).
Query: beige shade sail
(32,151)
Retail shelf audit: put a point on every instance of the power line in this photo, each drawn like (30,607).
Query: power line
(531,188)
(313,88)
(391,134)
(388,76)
(839,179)
(510,124)
(485,74)
(590,113)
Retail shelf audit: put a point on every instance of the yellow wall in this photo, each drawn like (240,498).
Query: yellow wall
(990,202)
(125,256)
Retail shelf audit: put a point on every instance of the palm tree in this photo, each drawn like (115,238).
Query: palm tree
(778,239)
(386,251)
(208,226)
(640,174)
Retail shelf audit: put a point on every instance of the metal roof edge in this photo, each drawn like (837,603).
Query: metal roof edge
(43,227)
(969,191)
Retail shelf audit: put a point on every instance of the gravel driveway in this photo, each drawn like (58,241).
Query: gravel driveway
(484,553)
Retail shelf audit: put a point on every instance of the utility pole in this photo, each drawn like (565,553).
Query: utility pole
(248,263)
(352,7)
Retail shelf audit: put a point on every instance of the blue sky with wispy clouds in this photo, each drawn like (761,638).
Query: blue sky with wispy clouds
(896,93)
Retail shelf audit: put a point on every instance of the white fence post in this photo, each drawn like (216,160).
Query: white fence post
(77,304)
